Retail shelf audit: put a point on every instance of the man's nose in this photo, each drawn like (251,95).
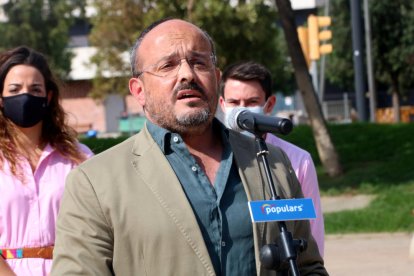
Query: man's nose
(185,71)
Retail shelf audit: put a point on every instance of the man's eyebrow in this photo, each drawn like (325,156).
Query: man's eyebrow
(253,98)
(232,100)
(191,53)
(164,58)
(198,53)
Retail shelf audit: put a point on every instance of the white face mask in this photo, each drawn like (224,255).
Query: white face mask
(254,109)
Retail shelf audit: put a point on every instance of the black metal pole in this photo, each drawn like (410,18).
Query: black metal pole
(287,246)
(359,76)
(370,64)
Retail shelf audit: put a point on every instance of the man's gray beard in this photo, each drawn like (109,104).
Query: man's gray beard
(185,123)
(194,120)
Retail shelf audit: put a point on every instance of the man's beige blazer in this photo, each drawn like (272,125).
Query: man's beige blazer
(124,212)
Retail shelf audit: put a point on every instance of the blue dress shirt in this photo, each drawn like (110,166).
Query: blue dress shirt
(221,209)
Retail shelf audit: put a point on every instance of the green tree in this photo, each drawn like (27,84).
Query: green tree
(392,43)
(393,47)
(115,28)
(326,149)
(42,25)
(339,66)
(244,31)
(247,31)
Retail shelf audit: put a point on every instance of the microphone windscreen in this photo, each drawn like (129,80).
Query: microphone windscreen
(231,118)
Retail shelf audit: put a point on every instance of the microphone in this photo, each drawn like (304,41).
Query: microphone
(240,119)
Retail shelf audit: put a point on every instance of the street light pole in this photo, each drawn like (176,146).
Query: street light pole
(359,76)
(370,67)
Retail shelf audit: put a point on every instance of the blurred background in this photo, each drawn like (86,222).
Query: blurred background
(358,55)
(87,41)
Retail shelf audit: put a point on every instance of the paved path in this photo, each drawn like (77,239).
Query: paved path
(345,202)
(379,254)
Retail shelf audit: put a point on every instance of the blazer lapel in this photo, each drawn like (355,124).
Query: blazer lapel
(245,157)
(250,174)
(153,167)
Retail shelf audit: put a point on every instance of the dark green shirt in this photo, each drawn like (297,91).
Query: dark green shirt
(221,209)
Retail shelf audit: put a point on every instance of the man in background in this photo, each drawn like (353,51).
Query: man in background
(249,84)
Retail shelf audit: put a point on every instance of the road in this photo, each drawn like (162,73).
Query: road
(381,254)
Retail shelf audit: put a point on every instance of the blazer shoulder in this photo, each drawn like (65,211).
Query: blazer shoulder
(110,155)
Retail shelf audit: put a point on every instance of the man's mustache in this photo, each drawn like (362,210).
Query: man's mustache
(190,86)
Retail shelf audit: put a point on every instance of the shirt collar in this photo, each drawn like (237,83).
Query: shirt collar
(163,136)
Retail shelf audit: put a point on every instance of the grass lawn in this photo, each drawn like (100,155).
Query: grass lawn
(377,159)
(391,211)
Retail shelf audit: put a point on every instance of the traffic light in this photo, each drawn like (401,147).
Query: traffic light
(317,39)
(304,42)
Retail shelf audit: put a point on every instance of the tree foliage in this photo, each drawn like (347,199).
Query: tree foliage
(247,31)
(339,66)
(326,149)
(42,25)
(393,40)
(115,28)
(241,32)
(392,34)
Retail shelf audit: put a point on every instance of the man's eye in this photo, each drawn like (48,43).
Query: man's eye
(199,63)
(167,66)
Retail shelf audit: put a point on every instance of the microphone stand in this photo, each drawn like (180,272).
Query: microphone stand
(282,254)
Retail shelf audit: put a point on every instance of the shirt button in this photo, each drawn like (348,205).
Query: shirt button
(223,243)
(175,139)
(194,168)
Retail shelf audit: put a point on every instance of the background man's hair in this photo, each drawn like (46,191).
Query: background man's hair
(248,71)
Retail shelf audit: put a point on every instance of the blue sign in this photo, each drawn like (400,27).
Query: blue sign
(282,209)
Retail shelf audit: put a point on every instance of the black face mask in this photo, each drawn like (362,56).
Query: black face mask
(25,110)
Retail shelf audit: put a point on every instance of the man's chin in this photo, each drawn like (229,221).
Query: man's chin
(194,118)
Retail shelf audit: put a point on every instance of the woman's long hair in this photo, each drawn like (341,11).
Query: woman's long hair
(55,130)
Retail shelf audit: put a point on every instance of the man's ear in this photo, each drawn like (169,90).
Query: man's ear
(218,76)
(222,102)
(218,73)
(271,101)
(136,89)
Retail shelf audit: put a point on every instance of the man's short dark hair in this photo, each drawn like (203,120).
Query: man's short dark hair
(248,71)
